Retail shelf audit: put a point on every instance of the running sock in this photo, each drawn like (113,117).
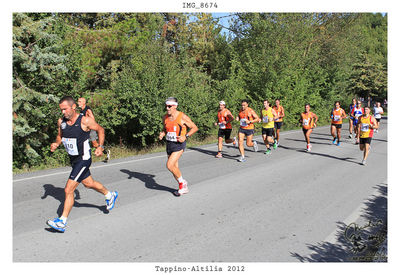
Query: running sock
(180,179)
(64,219)
(108,195)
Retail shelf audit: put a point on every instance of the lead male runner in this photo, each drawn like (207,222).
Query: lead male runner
(73,132)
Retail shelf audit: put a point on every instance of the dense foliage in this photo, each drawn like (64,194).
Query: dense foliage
(126,64)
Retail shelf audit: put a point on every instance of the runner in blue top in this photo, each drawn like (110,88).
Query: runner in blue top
(355,114)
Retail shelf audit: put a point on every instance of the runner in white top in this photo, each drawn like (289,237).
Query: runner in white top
(378,111)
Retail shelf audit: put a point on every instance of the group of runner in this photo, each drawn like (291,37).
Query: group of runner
(75,129)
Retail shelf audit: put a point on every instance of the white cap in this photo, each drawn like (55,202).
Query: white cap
(222,102)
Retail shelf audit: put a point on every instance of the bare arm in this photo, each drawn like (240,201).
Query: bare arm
(57,143)
(190,124)
(89,113)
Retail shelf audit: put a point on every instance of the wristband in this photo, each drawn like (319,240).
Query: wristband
(187,136)
(101,146)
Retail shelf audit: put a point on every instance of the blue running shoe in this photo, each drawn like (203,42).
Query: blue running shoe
(334,141)
(338,143)
(111,202)
(57,224)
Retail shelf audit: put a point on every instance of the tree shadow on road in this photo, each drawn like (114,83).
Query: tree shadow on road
(356,242)
(58,194)
(148,180)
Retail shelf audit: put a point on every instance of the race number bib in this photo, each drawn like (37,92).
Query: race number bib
(70,145)
(336,118)
(364,127)
(305,122)
(266,119)
(222,126)
(243,122)
(171,136)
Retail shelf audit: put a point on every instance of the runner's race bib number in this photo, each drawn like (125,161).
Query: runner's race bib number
(71,146)
(364,127)
(336,118)
(243,122)
(306,122)
(171,136)
(266,119)
(222,126)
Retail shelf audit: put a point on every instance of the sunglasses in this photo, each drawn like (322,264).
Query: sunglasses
(169,106)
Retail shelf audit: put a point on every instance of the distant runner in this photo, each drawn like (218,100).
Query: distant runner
(175,132)
(247,118)
(87,111)
(366,124)
(268,115)
(308,121)
(225,127)
(73,132)
(378,112)
(280,111)
(351,126)
(337,116)
(355,114)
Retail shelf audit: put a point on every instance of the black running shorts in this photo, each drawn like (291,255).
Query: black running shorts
(365,140)
(247,132)
(175,146)
(225,133)
(80,170)
(269,132)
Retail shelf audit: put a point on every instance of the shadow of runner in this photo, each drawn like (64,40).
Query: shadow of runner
(213,153)
(148,180)
(348,159)
(58,194)
(356,242)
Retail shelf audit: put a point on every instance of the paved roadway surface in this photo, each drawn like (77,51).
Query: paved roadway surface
(290,206)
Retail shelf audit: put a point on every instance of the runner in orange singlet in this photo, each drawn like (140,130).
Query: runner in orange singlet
(308,121)
(366,125)
(175,131)
(280,111)
(337,116)
(225,127)
(247,118)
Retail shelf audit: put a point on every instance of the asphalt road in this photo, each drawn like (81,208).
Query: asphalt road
(290,206)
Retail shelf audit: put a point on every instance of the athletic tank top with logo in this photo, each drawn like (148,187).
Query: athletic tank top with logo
(307,120)
(366,131)
(357,112)
(75,140)
(174,128)
(267,118)
(337,116)
(247,114)
(278,111)
(223,116)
